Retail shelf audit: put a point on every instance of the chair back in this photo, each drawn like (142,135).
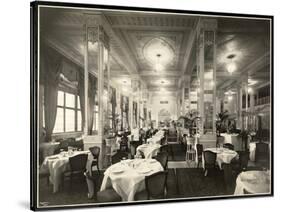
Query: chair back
(63,145)
(155,185)
(243,159)
(164,148)
(124,144)
(95,151)
(262,151)
(199,148)
(227,173)
(162,158)
(133,146)
(228,146)
(210,157)
(118,157)
(78,162)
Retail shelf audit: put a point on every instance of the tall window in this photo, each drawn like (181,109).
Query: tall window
(69,117)
(96,118)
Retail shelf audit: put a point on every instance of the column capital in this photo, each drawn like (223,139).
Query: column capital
(207,24)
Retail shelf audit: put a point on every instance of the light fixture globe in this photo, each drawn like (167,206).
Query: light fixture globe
(231,67)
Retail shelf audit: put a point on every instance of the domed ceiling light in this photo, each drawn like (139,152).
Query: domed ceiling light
(159,53)
(158,65)
(231,66)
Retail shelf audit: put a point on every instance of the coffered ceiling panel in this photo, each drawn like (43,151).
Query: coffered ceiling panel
(138,42)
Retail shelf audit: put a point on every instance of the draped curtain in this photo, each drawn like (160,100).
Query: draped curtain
(92,89)
(127,111)
(51,67)
(122,110)
(113,103)
(81,94)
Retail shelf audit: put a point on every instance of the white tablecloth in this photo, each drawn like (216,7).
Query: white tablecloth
(154,140)
(149,150)
(126,177)
(49,148)
(233,139)
(224,155)
(57,164)
(256,182)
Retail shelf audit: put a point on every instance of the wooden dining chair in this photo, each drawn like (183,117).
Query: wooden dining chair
(118,156)
(199,148)
(95,151)
(155,187)
(162,158)
(262,154)
(228,146)
(107,195)
(228,177)
(77,167)
(210,161)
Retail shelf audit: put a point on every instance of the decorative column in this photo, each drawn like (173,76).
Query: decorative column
(206,64)
(136,92)
(96,63)
(239,105)
(245,90)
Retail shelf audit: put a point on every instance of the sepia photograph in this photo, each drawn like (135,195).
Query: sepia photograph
(143,105)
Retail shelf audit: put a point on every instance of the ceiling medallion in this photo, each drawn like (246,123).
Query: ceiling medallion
(231,66)
(158,51)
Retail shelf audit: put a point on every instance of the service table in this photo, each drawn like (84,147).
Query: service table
(224,155)
(254,182)
(155,140)
(149,150)
(128,176)
(56,165)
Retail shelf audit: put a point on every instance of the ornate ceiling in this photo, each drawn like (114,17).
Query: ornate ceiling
(136,39)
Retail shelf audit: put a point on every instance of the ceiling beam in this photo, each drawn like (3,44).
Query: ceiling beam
(188,52)
(167,73)
(129,65)
(152,28)
(257,64)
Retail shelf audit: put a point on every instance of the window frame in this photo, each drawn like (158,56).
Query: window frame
(75,109)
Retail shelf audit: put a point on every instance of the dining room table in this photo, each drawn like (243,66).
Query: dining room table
(224,155)
(57,164)
(128,176)
(254,182)
(149,150)
(156,139)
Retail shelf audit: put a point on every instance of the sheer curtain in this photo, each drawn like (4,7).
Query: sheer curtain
(81,93)
(51,66)
(91,103)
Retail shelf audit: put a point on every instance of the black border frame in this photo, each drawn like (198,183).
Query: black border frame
(34,92)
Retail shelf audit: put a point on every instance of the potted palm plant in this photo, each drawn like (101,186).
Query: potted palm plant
(190,124)
(222,117)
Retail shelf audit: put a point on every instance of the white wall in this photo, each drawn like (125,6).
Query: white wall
(156,106)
